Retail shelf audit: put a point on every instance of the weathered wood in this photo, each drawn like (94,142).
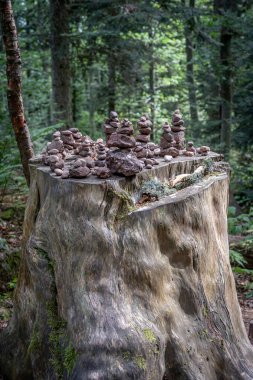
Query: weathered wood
(128,293)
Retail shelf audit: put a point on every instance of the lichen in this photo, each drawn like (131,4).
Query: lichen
(149,335)
(155,188)
(140,361)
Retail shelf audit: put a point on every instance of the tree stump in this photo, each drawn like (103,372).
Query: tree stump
(108,290)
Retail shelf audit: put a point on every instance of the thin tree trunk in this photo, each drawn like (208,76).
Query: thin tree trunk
(152,80)
(226,90)
(60,56)
(189,27)
(14,90)
(226,35)
(111,82)
(91,98)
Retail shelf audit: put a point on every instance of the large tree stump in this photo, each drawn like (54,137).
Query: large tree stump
(110,291)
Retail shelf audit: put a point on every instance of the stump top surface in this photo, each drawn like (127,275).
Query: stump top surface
(92,179)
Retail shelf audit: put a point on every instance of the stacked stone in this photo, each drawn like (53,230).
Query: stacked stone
(55,161)
(123,137)
(203,150)
(78,137)
(167,142)
(54,154)
(79,169)
(111,125)
(85,148)
(101,155)
(86,152)
(68,140)
(123,160)
(190,150)
(57,143)
(144,125)
(178,130)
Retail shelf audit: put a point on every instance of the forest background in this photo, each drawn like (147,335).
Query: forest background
(81,59)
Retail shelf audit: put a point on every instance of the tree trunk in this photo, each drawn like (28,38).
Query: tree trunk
(60,60)
(226,90)
(189,29)
(221,7)
(152,80)
(108,290)
(111,81)
(14,90)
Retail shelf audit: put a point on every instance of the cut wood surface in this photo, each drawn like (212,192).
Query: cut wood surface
(110,291)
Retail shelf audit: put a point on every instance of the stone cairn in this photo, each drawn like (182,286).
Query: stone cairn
(78,138)
(190,150)
(178,130)
(101,169)
(110,126)
(79,169)
(123,154)
(167,142)
(68,141)
(122,160)
(146,150)
(123,137)
(203,150)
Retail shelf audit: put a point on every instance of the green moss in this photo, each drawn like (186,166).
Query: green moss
(149,335)
(62,352)
(35,340)
(140,361)
(70,357)
(126,204)
(155,188)
(126,355)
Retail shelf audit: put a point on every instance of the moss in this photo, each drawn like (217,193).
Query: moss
(208,165)
(35,340)
(155,188)
(70,357)
(140,361)
(149,335)
(126,355)
(62,352)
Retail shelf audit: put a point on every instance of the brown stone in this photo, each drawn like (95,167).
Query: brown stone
(143,138)
(103,172)
(121,141)
(120,163)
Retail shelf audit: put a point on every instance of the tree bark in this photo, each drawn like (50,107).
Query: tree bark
(60,61)
(111,81)
(221,7)
(226,90)
(14,83)
(108,290)
(152,80)
(189,48)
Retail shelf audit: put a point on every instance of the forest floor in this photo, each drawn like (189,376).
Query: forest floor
(11,220)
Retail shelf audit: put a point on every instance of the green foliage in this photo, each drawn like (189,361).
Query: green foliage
(236,258)
(155,188)
(241,224)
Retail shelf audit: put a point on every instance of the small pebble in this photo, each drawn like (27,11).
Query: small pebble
(168,158)
(58,172)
